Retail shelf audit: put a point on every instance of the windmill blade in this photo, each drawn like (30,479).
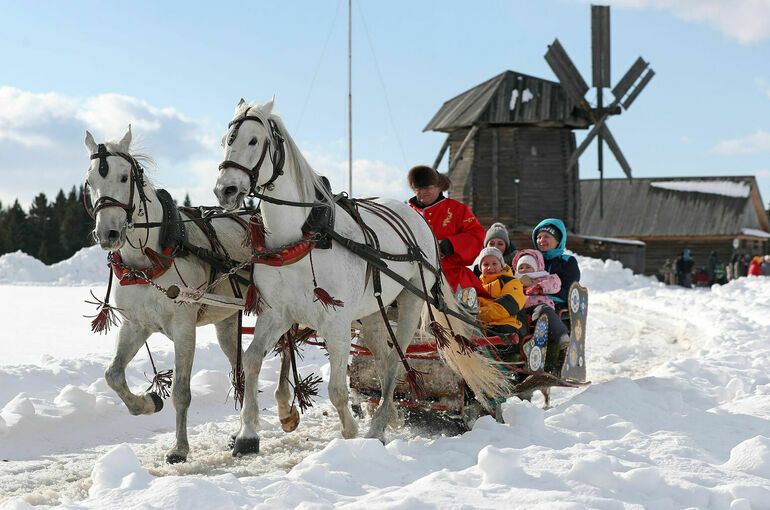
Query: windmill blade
(615,148)
(574,85)
(645,80)
(586,141)
(629,78)
(600,45)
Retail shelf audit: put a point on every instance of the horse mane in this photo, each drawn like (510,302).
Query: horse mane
(307,179)
(145,161)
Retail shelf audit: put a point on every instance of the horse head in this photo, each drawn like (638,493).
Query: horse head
(113,178)
(254,153)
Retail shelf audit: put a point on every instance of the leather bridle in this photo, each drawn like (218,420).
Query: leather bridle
(136,180)
(277,156)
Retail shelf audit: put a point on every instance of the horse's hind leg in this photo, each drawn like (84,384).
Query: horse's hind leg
(375,337)
(338,345)
(409,309)
(130,339)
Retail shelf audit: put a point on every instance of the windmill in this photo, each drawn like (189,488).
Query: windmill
(575,87)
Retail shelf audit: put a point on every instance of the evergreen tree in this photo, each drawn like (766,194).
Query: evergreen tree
(187,202)
(41,230)
(14,228)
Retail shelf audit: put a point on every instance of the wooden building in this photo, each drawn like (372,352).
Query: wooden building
(702,214)
(509,142)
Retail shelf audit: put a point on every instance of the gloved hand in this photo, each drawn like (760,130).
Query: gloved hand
(445,248)
(526,281)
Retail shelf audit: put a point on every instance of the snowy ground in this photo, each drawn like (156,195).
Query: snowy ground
(678,415)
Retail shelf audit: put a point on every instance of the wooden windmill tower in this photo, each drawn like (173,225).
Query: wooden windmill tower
(512,150)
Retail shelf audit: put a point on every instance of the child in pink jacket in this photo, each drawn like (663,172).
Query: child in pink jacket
(538,283)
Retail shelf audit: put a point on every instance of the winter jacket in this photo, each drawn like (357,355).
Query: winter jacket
(755,269)
(556,262)
(537,293)
(453,220)
(507,299)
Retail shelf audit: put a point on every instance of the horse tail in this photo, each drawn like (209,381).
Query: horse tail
(480,372)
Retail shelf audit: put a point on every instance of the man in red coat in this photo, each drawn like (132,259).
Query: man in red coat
(460,235)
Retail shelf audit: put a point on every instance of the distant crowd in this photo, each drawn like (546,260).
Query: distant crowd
(681,271)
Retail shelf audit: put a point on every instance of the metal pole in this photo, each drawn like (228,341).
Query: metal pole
(350,97)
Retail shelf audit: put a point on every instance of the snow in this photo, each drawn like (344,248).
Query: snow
(723,187)
(677,415)
(755,232)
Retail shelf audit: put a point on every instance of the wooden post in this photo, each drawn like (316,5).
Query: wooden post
(462,148)
(441,153)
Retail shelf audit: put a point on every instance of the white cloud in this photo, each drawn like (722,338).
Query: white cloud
(758,142)
(370,178)
(41,137)
(747,21)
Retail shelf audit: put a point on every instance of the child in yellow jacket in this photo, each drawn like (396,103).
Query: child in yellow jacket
(502,312)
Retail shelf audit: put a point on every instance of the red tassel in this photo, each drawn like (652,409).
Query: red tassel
(325,299)
(467,347)
(106,317)
(255,234)
(416,383)
(440,334)
(254,301)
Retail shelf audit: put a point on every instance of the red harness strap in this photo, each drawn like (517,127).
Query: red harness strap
(129,277)
(286,256)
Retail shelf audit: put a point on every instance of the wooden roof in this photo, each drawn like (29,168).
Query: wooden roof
(536,102)
(672,207)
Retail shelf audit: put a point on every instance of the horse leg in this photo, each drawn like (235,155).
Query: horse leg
(227,336)
(265,337)
(338,345)
(130,339)
(184,352)
(409,309)
(287,413)
(374,336)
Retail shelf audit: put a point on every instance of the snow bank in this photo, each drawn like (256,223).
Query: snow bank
(86,267)
(677,417)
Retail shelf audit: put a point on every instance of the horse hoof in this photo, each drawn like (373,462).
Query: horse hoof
(246,446)
(175,458)
(157,401)
(290,423)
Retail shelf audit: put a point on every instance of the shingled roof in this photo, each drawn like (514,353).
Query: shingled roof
(508,98)
(673,207)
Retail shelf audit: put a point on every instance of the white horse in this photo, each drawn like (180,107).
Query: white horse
(260,155)
(122,196)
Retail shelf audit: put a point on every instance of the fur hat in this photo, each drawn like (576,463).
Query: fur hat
(421,176)
(526,259)
(551,229)
(493,252)
(498,231)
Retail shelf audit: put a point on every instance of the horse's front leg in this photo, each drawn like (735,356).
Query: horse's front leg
(338,345)
(130,339)
(183,335)
(266,333)
(227,336)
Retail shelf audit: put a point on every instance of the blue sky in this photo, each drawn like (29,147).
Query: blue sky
(175,71)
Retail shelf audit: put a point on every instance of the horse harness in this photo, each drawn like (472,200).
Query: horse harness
(277,156)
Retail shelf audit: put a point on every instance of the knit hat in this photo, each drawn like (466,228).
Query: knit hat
(494,252)
(526,259)
(421,176)
(498,231)
(551,229)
